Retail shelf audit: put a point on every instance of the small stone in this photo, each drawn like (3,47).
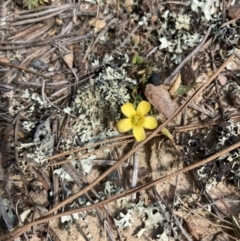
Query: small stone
(222,79)
(154,79)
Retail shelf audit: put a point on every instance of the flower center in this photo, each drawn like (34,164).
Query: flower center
(136,120)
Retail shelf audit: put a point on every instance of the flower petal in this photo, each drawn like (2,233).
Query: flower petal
(149,122)
(139,133)
(124,125)
(128,110)
(143,108)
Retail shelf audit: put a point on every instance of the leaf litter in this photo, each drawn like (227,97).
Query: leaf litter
(66,68)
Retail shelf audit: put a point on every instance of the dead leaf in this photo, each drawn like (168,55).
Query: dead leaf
(221,237)
(128,5)
(7,133)
(195,66)
(222,79)
(141,72)
(100,24)
(25,214)
(234,11)
(52,32)
(154,19)
(86,7)
(209,72)
(58,77)
(160,99)
(40,178)
(175,85)
(92,21)
(136,39)
(192,227)
(59,21)
(39,197)
(68,58)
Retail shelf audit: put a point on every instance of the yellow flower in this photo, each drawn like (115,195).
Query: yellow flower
(137,120)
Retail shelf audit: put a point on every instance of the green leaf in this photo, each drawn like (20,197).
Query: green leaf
(183,89)
(30,4)
(43,1)
(166,133)
(137,59)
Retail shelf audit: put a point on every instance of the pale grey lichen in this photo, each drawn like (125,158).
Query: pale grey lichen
(165,236)
(111,188)
(28,125)
(43,141)
(178,37)
(99,101)
(207,7)
(183,21)
(62,174)
(154,216)
(151,215)
(125,220)
(67,110)
(39,150)
(14,106)
(183,41)
(86,163)
(32,96)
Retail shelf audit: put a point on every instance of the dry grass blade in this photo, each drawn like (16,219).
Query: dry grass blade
(19,23)
(88,146)
(25,69)
(35,13)
(175,2)
(135,173)
(197,126)
(23,44)
(91,152)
